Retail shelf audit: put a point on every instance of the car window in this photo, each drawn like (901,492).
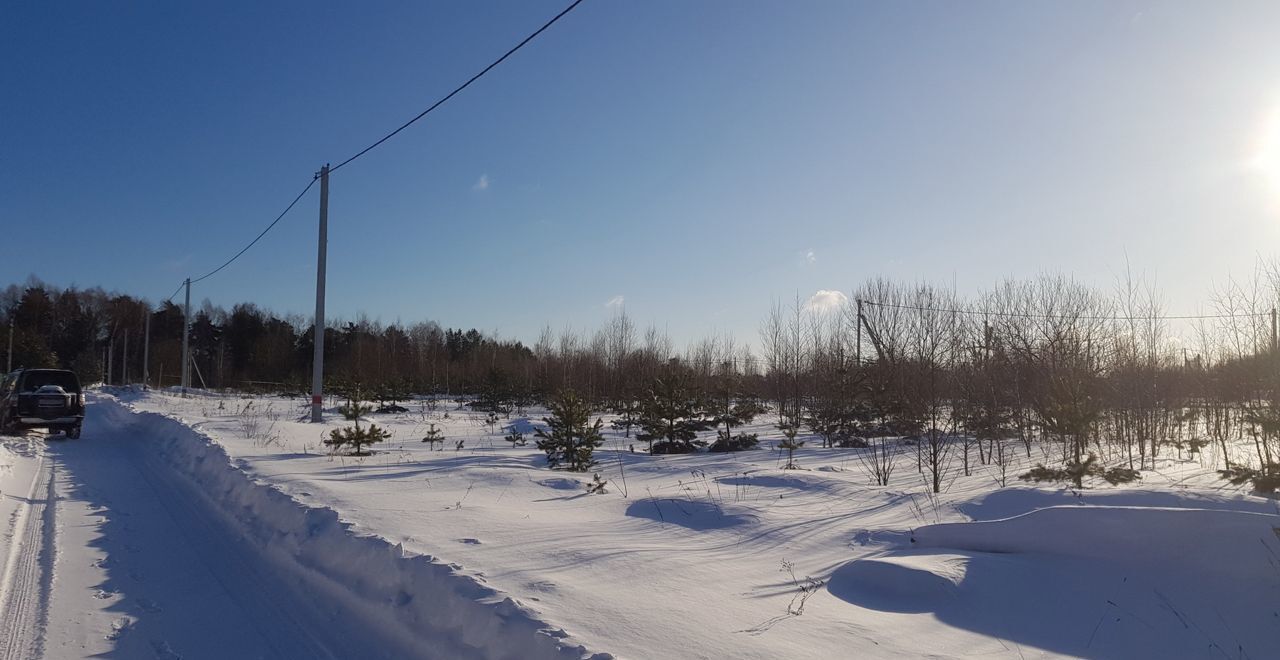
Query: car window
(34,380)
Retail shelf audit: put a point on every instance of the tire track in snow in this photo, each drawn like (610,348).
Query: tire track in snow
(177,580)
(281,620)
(28,574)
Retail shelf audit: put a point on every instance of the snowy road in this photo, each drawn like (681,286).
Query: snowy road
(109,552)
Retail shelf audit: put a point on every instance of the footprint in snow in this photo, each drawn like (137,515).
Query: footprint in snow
(469,541)
(542,585)
(163,651)
(118,629)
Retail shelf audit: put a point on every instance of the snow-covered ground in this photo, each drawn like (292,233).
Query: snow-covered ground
(697,556)
(143,540)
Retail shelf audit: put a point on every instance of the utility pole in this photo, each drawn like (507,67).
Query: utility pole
(9,368)
(317,363)
(186,337)
(111,355)
(146,348)
(124,360)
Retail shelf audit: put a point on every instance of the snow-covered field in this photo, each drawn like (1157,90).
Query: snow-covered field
(719,555)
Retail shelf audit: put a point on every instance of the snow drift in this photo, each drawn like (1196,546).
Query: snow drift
(416,600)
(1091,581)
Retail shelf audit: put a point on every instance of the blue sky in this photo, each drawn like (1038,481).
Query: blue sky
(697,159)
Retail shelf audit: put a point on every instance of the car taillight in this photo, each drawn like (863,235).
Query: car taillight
(80,399)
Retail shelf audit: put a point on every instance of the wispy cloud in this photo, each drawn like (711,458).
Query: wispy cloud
(176,264)
(810,256)
(615,301)
(824,301)
(481,184)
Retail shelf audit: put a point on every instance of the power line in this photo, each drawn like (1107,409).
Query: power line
(251,243)
(1084,317)
(259,236)
(464,85)
(175,291)
(384,138)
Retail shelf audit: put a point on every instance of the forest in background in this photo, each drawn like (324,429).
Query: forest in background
(1108,375)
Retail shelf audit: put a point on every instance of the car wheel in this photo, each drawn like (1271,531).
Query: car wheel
(73,433)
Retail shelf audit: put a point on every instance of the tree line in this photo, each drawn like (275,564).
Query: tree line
(1103,376)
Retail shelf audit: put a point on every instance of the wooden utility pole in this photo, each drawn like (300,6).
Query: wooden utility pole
(317,359)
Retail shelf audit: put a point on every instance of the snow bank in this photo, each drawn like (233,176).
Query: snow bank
(1090,581)
(419,601)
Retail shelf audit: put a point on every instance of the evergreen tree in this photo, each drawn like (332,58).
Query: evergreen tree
(836,408)
(354,436)
(730,409)
(516,438)
(357,438)
(433,436)
(353,410)
(671,417)
(495,393)
(570,438)
(789,442)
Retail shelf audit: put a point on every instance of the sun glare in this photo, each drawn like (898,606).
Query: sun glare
(1266,158)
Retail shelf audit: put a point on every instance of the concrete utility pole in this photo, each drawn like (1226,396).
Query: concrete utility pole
(186,337)
(146,348)
(317,363)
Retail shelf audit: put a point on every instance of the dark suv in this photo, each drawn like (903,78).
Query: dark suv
(42,399)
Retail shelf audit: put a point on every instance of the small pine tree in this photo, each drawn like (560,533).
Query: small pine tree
(433,436)
(516,439)
(596,487)
(357,438)
(671,417)
(728,410)
(354,436)
(353,410)
(789,442)
(570,437)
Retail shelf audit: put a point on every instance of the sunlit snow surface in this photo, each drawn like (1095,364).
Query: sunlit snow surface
(684,556)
